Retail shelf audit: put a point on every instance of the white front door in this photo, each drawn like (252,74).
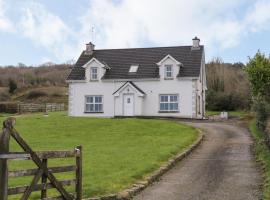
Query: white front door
(128,104)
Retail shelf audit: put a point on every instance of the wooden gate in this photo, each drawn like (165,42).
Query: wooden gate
(43,173)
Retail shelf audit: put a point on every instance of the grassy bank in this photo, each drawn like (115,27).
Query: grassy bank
(116,152)
(263,156)
(238,114)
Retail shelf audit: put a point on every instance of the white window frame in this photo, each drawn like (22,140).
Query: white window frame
(169,102)
(94,103)
(166,71)
(93,76)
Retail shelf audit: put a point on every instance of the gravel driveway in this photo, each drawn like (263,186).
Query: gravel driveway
(223,167)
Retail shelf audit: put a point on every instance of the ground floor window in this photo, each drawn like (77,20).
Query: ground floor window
(168,102)
(93,103)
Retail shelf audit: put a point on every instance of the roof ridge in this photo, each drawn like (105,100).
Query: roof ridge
(135,48)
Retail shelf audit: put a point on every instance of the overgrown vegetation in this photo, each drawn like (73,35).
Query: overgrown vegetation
(12,86)
(116,152)
(263,156)
(228,86)
(28,76)
(258,69)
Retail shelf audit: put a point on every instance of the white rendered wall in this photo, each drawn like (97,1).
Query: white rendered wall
(144,106)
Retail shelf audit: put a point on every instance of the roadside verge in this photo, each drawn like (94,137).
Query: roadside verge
(262,153)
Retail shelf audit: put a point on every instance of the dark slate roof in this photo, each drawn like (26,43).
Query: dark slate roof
(133,84)
(120,60)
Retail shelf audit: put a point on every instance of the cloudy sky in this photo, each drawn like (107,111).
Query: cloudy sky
(38,31)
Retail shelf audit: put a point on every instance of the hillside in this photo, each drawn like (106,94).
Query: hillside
(228,86)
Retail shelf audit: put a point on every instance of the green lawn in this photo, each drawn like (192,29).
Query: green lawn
(116,152)
(239,114)
(263,156)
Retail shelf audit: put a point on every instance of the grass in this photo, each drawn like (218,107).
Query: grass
(239,114)
(116,152)
(263,156)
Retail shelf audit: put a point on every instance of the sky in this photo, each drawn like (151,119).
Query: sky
(39,31)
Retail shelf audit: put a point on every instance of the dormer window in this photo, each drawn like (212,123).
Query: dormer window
(168,71)
(133,68)
(93,73)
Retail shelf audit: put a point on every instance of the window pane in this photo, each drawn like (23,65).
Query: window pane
(94,76)
(166,98)
(89,99)
(166,106)
(98,100)
(162,98)
(92,108)
(173,98)
(162,106)
(169,74)
(171,106)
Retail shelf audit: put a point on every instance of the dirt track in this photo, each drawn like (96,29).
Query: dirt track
(223,167)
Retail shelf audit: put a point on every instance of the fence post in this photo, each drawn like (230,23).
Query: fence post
(4,148)
(78,150)
(44,180)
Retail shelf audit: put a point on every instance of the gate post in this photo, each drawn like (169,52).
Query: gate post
(4,149)
(78,150)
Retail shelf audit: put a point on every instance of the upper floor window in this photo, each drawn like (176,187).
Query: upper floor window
(93,73)
(168,71)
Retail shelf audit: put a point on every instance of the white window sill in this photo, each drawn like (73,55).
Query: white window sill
(168,78)
(93,112)
(169,111)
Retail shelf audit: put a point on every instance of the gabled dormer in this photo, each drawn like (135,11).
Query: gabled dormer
(95,70)
(169,68)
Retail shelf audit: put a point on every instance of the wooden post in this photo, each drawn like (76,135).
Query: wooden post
(4,148)
(44,179)
(78,150)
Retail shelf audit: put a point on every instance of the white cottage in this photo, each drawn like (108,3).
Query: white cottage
(160,81)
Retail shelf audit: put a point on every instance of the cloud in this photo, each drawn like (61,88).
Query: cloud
(47,30)
(5,24)
(258,17)
(220,24)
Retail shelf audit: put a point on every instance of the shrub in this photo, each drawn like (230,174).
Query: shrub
(220,101)
(12,86)
(262,109)
(36,94)
(4,96)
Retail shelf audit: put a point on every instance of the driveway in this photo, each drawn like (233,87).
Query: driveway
(223,167)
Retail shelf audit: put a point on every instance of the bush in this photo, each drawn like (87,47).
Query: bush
(262,109)
(221,101)
(36,94)
(4,96)
(12,86)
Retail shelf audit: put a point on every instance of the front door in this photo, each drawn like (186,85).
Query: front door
(128,104)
